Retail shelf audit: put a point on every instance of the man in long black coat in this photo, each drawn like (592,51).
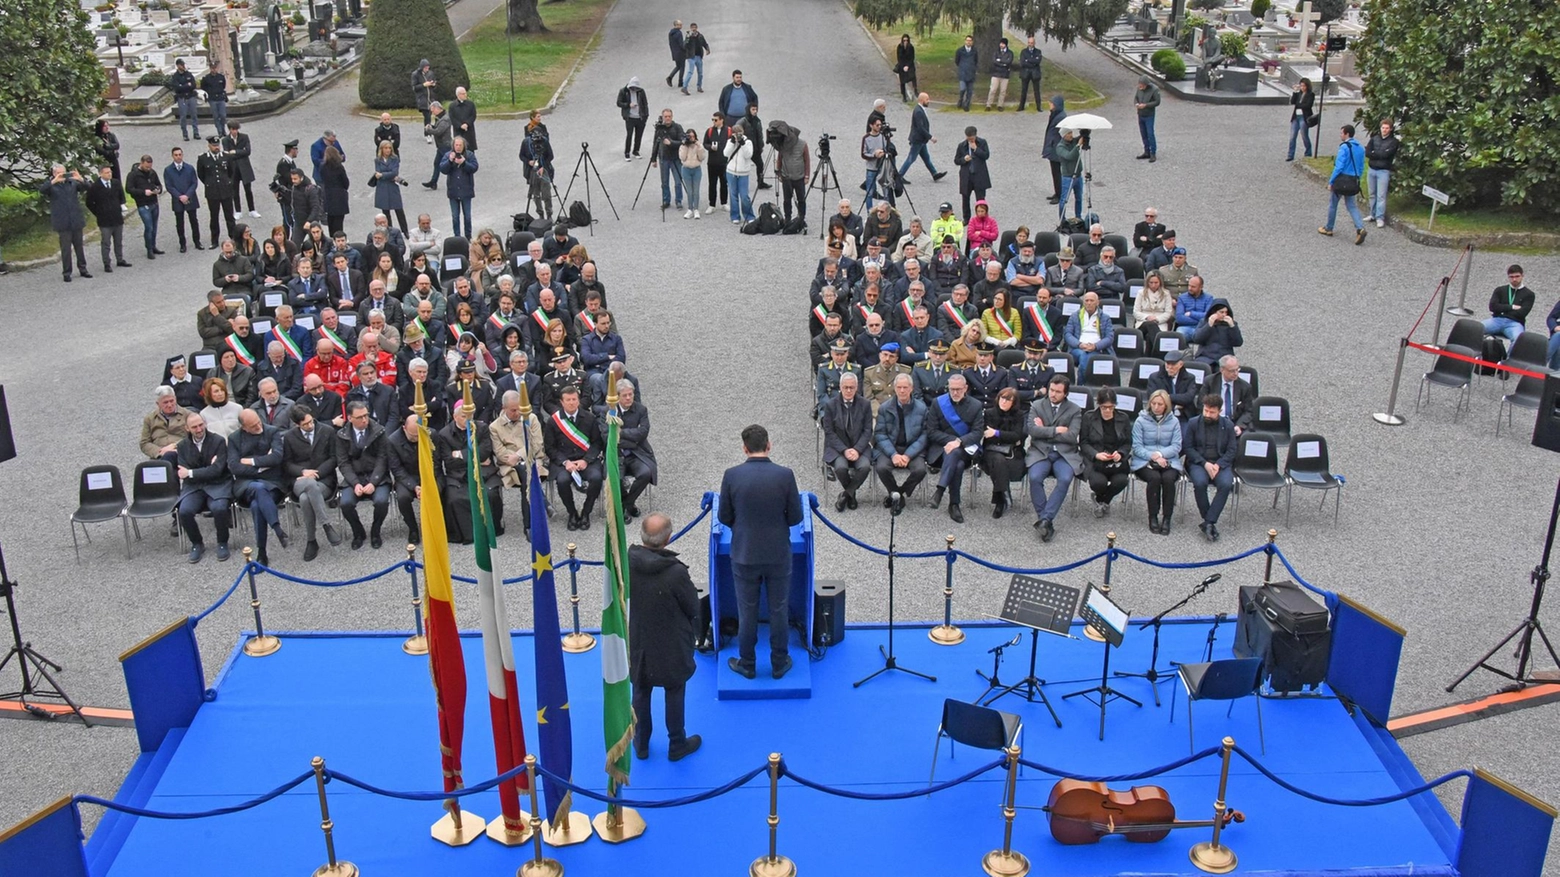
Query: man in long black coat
(663,614)
(65,216)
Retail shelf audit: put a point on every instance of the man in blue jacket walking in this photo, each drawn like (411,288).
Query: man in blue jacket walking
(1348,167)
(760,504)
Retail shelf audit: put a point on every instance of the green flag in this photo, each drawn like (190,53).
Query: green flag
(617,712)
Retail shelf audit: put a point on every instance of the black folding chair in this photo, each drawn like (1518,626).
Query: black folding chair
(101,499)
(1256,466)
(154,493)
(979,727)
(1307,468)
(1230,679)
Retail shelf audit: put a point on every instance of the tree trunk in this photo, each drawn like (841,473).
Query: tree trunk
(523,17)
(986,35)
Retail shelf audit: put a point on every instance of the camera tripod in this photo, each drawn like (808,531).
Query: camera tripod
(31,663)
(822,176)
(588,164)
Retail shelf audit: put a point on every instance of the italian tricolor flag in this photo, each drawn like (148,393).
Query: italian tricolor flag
(290,345)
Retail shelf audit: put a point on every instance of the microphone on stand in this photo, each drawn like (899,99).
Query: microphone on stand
(1011,642)
(1209,580)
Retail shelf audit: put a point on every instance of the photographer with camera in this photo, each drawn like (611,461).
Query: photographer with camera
(874,151)
(536,157)
(739,163)
(793,165)
(668,138)
(690,157)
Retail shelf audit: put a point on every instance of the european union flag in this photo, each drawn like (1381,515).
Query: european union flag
(552,689)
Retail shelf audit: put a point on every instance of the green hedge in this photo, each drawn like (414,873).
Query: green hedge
(1169,64)
(20,211)
(400,33)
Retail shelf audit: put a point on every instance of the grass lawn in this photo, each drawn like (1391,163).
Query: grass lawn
(540,61)
(935,73)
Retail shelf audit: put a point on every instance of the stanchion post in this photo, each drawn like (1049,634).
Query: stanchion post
(417,643)
(1272,546)
(331,868)
(576,641)
(946,634)
(1210,855)
(539,866)
(1462,299)
(774,864)
(262,643)
(1007,862)
(1104,588)
(1440,308)
(1390,417)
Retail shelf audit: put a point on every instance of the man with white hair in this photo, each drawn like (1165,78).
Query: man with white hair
(204,485)
(162,430)
(517,443)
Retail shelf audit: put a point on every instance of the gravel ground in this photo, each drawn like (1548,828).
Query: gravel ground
(1416,541)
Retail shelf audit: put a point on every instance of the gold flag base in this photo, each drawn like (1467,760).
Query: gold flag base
(626,826)
(777,866)
(574,830)
(497,830)
(260,646)
(945,635)
(415,645)
(577,643)
(540,868)
(340,869)
(1213,858)
(1009,864)
(447,832)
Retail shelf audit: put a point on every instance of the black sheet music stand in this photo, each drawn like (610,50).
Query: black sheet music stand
(1097,605)
(1039,605)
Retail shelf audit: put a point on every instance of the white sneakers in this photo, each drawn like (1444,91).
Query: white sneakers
(1381,223)
(689,214)
(710,209)
(255,213)
(696,213)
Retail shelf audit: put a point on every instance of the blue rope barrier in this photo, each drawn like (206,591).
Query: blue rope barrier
(277,792)
(1050,570)
(695,798)
(1303,583)
(888,796)
(1196,564)
(297,580)
(1352,802)
(238,580)
(1123,777)
(372,789)
(695,522)
(872,548)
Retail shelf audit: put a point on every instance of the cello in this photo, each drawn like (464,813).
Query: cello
(1083,812)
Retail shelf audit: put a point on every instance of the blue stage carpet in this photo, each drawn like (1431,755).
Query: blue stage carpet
(368,709)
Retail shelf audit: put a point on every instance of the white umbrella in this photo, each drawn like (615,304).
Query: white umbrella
(1084,122)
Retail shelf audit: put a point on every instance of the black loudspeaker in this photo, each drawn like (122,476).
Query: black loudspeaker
(1290,661)
(828,612)
(7,442)
(1546,429)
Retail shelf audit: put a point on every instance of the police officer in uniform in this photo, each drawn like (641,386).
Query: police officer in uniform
(827,384)
(878,381)
(1031,377)
(955,424)
(281,184)
(985,379)
(931,376)
(216,173)
(563,375)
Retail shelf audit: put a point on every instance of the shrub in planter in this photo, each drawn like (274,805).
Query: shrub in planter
(1169,64)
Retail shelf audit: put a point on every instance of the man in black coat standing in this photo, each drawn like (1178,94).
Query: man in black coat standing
(65,216)
(236,147)
(216,174)
(106,200)
(664,614)
(971,156)
(676,40)
(759,503)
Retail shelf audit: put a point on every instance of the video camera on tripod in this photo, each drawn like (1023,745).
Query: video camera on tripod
(823,144)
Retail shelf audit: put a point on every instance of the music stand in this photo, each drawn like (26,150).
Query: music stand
(1039,605)
(1102,613)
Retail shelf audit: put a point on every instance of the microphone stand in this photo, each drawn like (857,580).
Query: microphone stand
(1154,675)
(992,682)
(897,505)
(1213,633)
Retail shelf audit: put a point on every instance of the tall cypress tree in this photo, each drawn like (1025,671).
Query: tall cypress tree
(401,33)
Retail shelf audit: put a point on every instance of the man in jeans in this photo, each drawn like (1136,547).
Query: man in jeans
(145,187)
(1509,307)
(695,47)
(1380,152)
(183,84)
(965,60)
(1350,162)
(874,151)
(668,137)
(920,137)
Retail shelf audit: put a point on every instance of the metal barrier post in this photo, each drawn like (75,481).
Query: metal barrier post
(540,866)
(331,868)
(1007,862)
(261,644)
(774,864)
(1440,308)
(1104,587)
(946,634)
(1462,300)
(1272,543)
(417,643)
(576,642)
(1210,855)
(1390,417)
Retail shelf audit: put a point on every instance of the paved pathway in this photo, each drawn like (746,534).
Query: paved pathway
(1441,524)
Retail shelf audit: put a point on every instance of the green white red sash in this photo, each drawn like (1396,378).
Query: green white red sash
(540,318)
(422,327)
(498,322)
(1042,325)
(956,315)
(1003,323)
(909,312)
(236,345)
(865,312)
(570,431)
(287,342)
(818,312)
(333,338)
(456,331)
(590,324)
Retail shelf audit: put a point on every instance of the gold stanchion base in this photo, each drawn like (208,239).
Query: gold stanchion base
(471,828)
(501,833)
(1218,859)
(340,869)
(779,866)
(415,645)
(574,830)
(945,635)
(1091,633)
(576,643)
(260,646)
(540,868)
(628,826)
(1009,864)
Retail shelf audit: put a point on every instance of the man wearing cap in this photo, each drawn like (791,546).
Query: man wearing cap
(931,376)
(1089,332)
(956,312)
(214,84)
(877,382)
(985,380)
(562,377)
(1065,277)
(949,266)
(183,84)
(1025,272)
(1159,256)
(309,470)
(954,428)
(574,454)
(1031,377)
(946,226)
(144,187)
(204,485)
(442,134)
(1178,274)
(216,174)
(1052,428)
(899,441)
(282,183)
(847,440)
(826,384)
(1175,380)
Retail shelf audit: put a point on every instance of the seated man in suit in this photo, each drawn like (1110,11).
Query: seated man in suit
(280,366)
(345,287)
(307,291)
(1179,383)
(1106,277)
(847,440)
(380,400)
(637,457)
(309,469)
(274,408)
(204,485)
(1089,331)
(1210,459)
(1235,396)
(574,455)
(327,407)
(954,430)
(1053,426)
(406,472)
(520,374)
(255,459)
(1064,278)
(363,464)
(869,343)
(954,313)
(900,440)
(331,328)
(420,374)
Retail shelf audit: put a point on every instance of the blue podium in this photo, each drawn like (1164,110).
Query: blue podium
(723,605)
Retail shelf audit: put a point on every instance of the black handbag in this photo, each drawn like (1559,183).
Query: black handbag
(1347,184)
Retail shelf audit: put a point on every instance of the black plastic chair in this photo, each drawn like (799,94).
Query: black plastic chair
(1102,371)
(1449,372)
(1256,466)
(1129,401)
(1047,242)
(1271,418)
(1466,332)
(975,726)
(1165,342)
(1008,357)
(1128,344)
(1131,266)
(1119,241)
(1527,394)
(1307,468)
(454,258)
(1113,308)
(1250,376)
(203,361)
(1079,395)
(1059,362)
(1197,369)
(1230,679)
(102,499)
(1531,352)
(154,493)
(1142,370)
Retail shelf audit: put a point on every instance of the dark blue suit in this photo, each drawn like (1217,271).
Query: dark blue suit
(759,503)
(183,181)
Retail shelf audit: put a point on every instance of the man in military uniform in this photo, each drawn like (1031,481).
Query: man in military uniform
(282,183)
(955,423)
(931,376)
(216,174)
(1031,377)
(818,351)
(574,455)
(986,380)
(918,337)
(1043,320)
(956,311)
(827,382)
(562,377)
(878,381)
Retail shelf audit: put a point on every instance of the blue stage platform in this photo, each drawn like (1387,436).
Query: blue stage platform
(357,700)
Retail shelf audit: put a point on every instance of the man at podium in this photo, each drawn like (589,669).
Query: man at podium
(760,504)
